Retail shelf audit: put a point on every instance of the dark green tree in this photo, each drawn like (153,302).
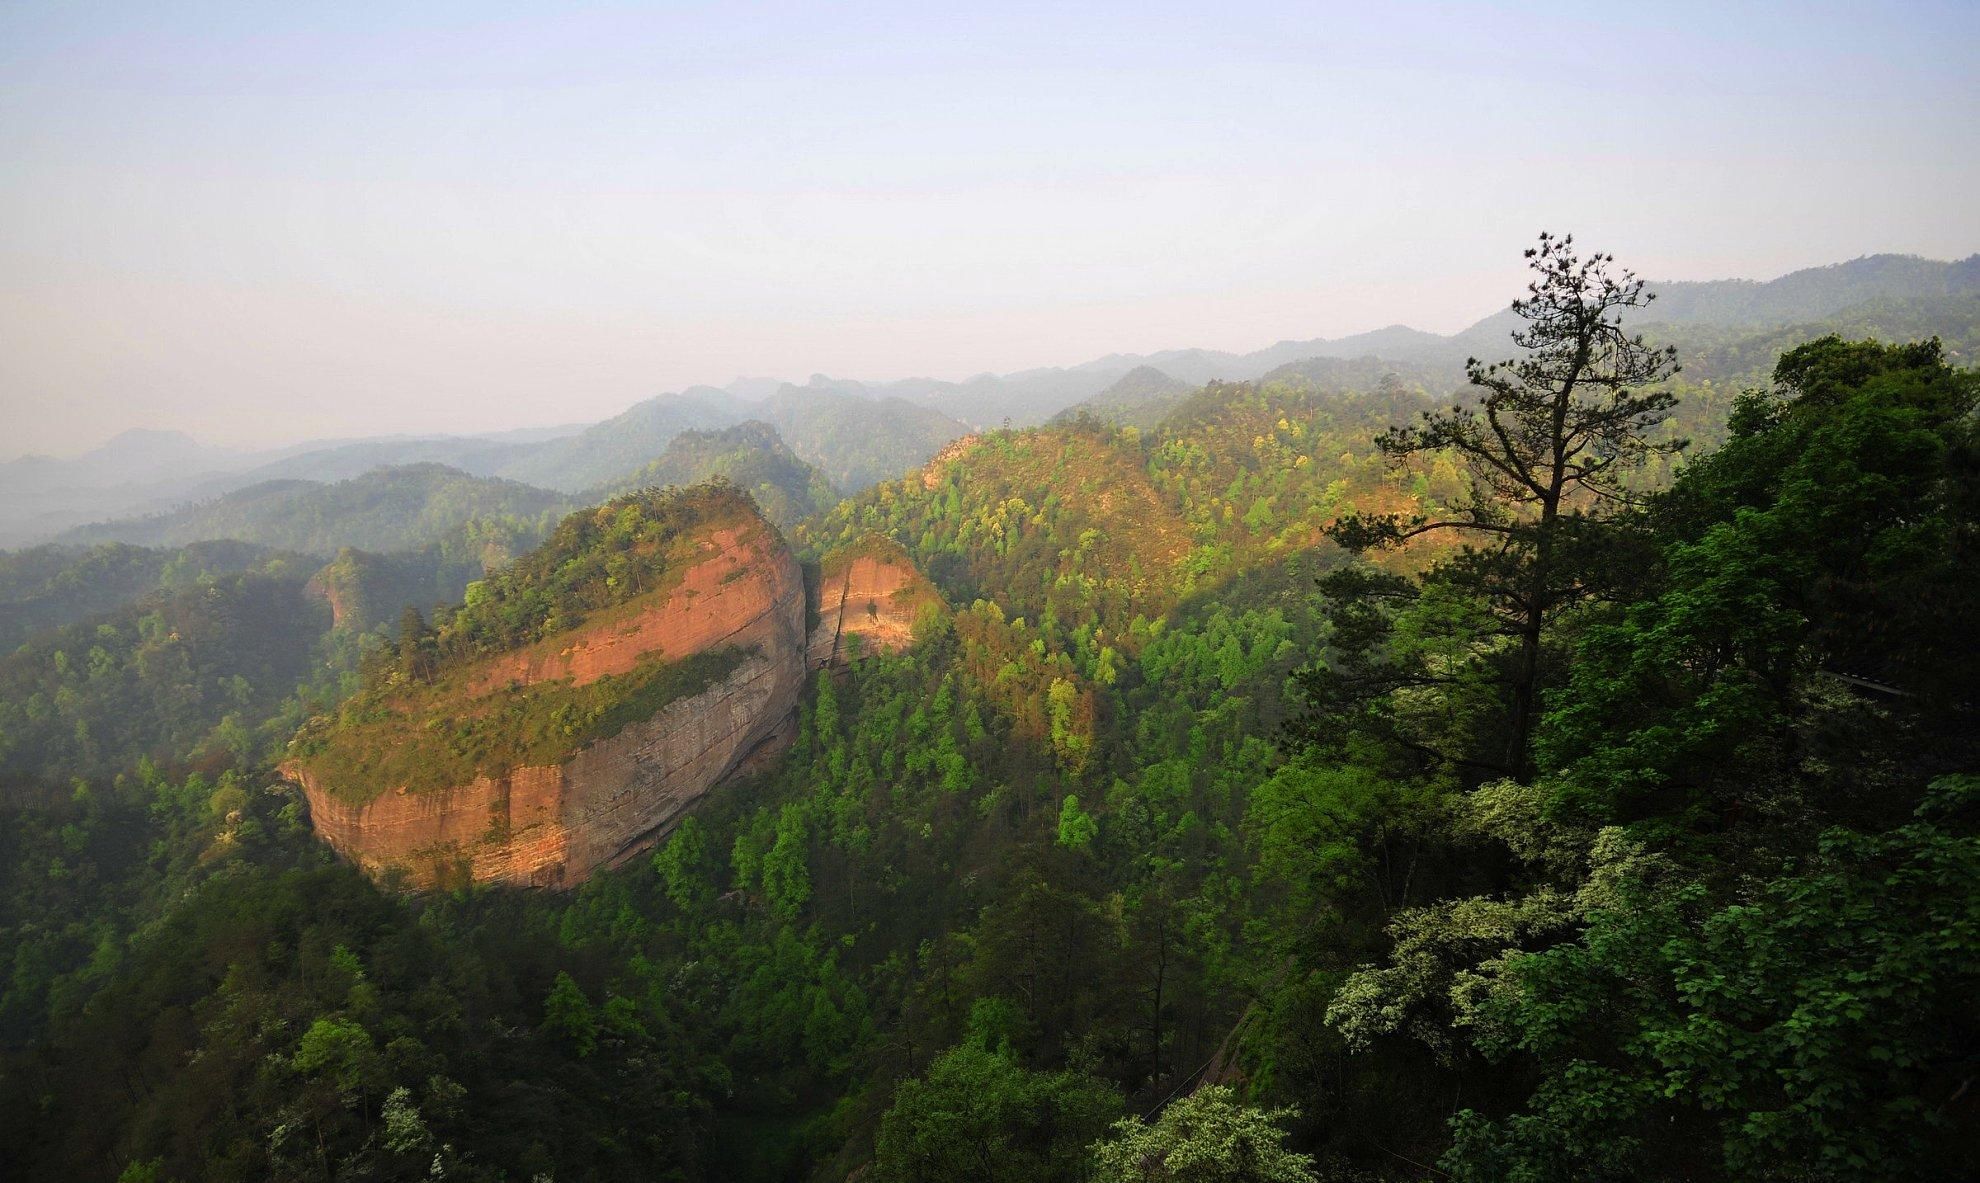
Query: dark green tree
(567,1015)
(416,648)
(1833,537)
(1549,446)
(1743,928)
(980,1116)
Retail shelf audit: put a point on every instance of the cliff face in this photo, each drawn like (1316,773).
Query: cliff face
(726,599)
(873,591)
(550,825)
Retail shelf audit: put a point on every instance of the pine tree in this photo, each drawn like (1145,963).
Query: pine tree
(416,648)
(1550,445)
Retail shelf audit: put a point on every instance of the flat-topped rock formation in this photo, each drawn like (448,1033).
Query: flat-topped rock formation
(586,744)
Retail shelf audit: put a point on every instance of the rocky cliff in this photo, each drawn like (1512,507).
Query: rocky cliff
(872,591)
(739,596)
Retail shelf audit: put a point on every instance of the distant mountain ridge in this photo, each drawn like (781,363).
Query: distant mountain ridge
(1810,294)
(387,509)
(859,433)
(1813,292)
(857,438)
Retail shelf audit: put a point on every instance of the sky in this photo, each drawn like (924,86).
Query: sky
(270,222)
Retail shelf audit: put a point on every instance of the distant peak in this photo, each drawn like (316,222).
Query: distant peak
(148,439)
(754,389)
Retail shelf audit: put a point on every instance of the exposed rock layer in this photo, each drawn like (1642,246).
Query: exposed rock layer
(873,593)
(552,825)
(722,600)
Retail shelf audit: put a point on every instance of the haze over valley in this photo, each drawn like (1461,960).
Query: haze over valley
(857,433)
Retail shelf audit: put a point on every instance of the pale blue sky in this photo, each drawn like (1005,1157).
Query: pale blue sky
(265,222)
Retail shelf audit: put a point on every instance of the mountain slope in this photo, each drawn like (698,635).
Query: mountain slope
(389,509)
(1813,293)
(856,440)
(1139,398)
(130,457)
(49,586)
(187,672)
(342,462)
(606,450)
(750,455)
(1036,520)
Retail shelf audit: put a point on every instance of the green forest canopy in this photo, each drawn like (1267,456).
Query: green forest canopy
(1150,810)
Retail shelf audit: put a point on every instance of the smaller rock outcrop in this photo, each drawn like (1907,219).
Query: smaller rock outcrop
(870,590)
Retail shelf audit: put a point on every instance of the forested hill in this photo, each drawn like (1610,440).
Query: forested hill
(853,437)
(1139,398)
(387,509)
(750,455)
(201,655)
(47,586)
(192,673)
(1298,784)
(618,445)
(1088,526)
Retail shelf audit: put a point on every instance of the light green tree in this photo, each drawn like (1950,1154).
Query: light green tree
(567,1013)
(1206,1137)
(1076,826)
(343,1052)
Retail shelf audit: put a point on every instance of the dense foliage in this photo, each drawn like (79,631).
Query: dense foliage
(213,652)
(48,586)
(200,669)
(228,1004)
(1741,906)
(1153,859)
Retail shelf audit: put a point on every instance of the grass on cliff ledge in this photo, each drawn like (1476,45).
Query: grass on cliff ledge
(426,738)
(629,548)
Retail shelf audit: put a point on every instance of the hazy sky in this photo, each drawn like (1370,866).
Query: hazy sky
(273,221)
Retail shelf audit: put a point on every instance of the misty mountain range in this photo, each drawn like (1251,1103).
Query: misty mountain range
(856,433)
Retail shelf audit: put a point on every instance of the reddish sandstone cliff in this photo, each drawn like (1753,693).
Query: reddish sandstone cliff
(870,590)
(719,601)
(552,825)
